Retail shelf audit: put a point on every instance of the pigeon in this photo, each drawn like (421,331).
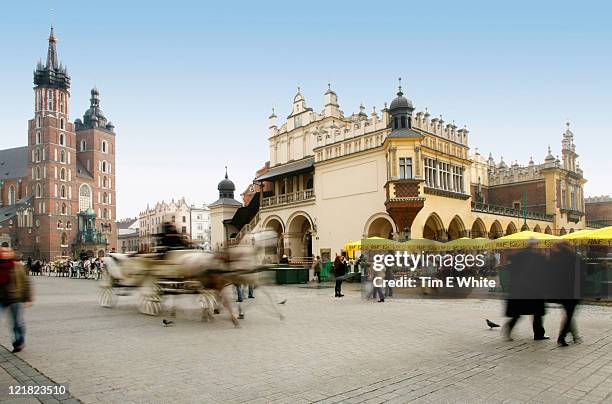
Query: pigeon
(491,324)
(166,323)
(283,302)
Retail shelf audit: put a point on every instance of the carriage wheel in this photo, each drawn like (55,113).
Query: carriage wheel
(106,297)
(206,299)
(149,301)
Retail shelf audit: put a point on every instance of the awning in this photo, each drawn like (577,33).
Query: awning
(293,167)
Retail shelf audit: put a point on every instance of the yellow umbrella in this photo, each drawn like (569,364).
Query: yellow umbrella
(600,237)
(420,244)
(523,239)
(466,243)
(576,234)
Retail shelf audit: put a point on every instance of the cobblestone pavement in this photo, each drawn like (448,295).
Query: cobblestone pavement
(326,350)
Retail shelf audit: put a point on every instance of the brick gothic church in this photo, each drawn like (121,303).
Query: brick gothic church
(57,194)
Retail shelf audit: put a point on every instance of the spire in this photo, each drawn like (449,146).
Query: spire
(52,74)
(52,52)
(226,172)
(399,87)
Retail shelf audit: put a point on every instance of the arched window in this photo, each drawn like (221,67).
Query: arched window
(105,214)
(64,239)
(62,121)
(37,172)
(105,198)
(61,139)
(63,174)
(83,145)
(63,209)
(37,155)
(403,121)
(63,191)
(38,121)
(38,191)
(84,197)
(59,224)
(105,182)
(38,138)
(69,225)
(103,166)
(11,195)
(50,100)
(104,146)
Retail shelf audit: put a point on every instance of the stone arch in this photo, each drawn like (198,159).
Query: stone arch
(456,228)
(478,229)
(379,225)
(433,228)
(562,232)
(276,224)
(537,228)
(496,230)
(547,230)
(511,228)
(298,235)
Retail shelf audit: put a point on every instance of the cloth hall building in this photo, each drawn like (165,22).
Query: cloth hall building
(57,194)
(396,174)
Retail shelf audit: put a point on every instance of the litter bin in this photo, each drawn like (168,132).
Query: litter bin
(286,275)
(302,275)
(325,271)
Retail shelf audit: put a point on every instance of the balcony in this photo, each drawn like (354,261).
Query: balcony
(573,215)
(288,199)
(506,211)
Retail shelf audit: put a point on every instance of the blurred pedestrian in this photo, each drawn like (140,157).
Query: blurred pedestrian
(317,266)
(526,286)
(339,272)
(14,292)
(564,277)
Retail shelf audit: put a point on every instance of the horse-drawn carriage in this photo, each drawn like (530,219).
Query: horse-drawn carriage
(205,275)
(61,266)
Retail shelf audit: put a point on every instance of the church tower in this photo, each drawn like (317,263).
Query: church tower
(95,136)
(568,149)
(51,157)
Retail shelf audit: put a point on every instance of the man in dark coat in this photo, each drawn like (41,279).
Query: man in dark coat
(564,280)
(526,290)
(339,272)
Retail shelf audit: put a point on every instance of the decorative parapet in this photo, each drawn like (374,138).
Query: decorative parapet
(445,193)
(287,199)
(506,211)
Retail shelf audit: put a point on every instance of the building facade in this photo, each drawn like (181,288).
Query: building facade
(57,194)
(396,174)
(200,226)
(598,211)
(128,240)
(190,220)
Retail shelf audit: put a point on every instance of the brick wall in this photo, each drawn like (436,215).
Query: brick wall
(507,195)
(600,211)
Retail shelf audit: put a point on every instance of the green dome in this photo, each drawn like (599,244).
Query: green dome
(88,212)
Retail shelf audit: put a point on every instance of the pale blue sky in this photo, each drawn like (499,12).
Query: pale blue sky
(189,85)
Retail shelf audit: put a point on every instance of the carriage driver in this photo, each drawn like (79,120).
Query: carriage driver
(171,239)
